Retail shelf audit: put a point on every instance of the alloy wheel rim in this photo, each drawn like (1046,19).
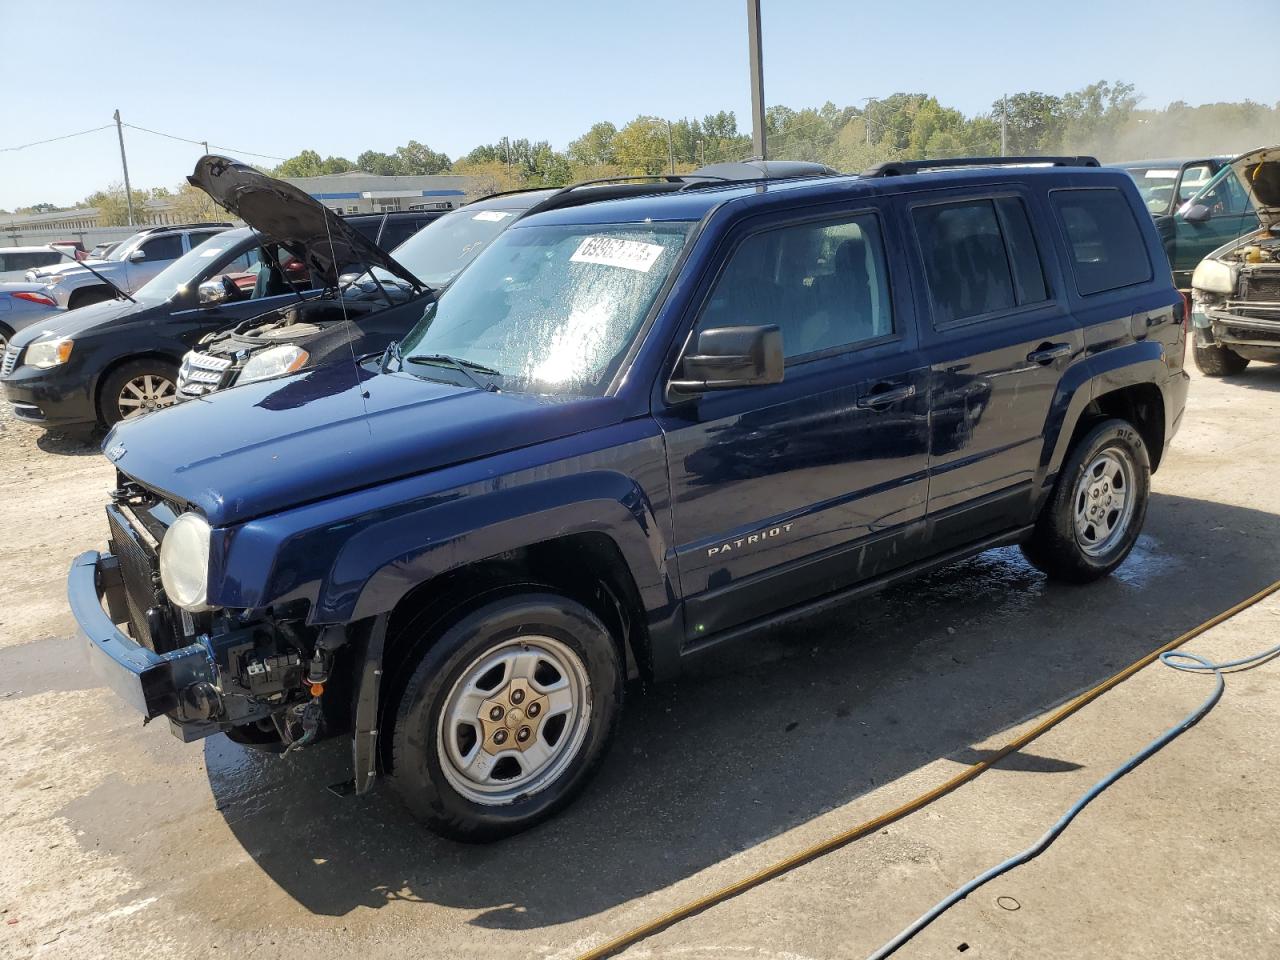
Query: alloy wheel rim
(1104,502)
(146,393)
(514,720)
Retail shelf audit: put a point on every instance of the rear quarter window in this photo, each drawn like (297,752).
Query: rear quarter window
(1107,248)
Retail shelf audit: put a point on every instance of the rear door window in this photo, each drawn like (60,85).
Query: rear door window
(195,239)
(980,258)
(1108,250)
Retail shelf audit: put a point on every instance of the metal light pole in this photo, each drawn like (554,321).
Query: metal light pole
(866,117)
(124,163)
(671,150)
(1004,125)
(757,78)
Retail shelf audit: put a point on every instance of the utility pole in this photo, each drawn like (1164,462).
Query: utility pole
(128,192)
(702,153)
(205,144)
(757,78)
(671,150)
(1004,125)
(866,118)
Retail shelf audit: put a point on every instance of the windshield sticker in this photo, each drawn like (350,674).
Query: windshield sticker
(492,216)
(613,252)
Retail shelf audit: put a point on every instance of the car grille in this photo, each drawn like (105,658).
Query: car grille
(201,373)
(150,621)
(1262,288)
(10,360)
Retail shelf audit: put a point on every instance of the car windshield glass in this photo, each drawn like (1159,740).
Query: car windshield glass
(439,250)
(552,309)
(125,248)
(176,277)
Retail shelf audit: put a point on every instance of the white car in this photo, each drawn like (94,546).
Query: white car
(128,267)
(16,261)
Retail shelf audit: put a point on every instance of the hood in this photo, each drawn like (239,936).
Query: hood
(74,266)
(265,447)
(285,214)
(1259,173)
(69,323)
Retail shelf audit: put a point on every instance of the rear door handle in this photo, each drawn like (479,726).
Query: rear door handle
(1049,352)
(884,394)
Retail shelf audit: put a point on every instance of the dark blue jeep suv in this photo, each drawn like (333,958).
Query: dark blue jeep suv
(630,430)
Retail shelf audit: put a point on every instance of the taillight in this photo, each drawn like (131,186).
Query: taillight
(39,298)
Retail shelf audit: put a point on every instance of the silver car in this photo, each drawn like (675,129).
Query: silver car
(21,305)
(16,261)
(128,266)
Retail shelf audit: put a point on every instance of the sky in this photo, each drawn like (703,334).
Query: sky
(341,77)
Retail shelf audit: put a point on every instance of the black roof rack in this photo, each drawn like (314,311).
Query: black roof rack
(902,168)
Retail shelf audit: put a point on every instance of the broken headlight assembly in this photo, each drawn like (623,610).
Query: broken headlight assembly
(1215,276)
(184,562)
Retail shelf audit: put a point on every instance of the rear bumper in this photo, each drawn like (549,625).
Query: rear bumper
(152,683)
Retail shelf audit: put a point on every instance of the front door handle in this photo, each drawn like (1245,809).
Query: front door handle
(1049,352)
(884,394)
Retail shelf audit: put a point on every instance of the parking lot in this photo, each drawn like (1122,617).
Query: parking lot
(121,841)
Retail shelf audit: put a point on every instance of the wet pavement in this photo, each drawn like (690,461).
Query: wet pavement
(122,841)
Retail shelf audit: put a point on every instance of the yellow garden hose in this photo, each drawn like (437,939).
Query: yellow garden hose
(693,907)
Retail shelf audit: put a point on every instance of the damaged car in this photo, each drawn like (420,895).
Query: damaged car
(1236,288)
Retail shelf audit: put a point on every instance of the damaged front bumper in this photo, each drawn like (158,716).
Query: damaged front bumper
(1250,325)
(181,684)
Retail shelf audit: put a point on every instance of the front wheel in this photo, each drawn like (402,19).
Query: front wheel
(1099,502)
(506,716)
(1219,361)
(135,388)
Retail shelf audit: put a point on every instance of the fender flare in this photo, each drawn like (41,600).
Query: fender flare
(379,564)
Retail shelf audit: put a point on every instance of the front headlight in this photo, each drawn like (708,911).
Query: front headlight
(184,562)
(285,358)
(1215,277)
(48,279)
(44,354)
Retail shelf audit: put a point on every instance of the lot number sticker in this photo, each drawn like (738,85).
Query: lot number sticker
(491,215)
(613,252)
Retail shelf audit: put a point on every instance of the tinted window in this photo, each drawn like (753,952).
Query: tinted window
(168,247)
(824,284)
(1107,247)
(965,260)
(25,261)
(195,239)
(1028,273)
(398,231)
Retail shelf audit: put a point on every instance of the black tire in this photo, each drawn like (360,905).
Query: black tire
(89,296)
(110,411)
(5,336)
(1219,361)
(1056,547)
(418,771)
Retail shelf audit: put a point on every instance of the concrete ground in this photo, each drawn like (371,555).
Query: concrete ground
(120,841)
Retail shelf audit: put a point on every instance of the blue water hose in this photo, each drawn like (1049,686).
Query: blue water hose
(1178,660)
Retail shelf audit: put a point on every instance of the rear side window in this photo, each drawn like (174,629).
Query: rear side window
(195,239)
(979,257)
(823,284)
(1108,250)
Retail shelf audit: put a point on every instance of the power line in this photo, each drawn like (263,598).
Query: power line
(203,143)
(65,136)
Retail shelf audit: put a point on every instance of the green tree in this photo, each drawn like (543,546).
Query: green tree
(192,205)
(113,207)
(417,159)
(595,147)
(378,163)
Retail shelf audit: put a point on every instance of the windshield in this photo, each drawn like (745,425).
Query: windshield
(124,248)
(176,277)
(1156,186)
(551,308)
(439,250)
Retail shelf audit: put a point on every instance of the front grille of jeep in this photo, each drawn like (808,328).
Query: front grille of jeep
(10,360)
(150,619)
(201,373)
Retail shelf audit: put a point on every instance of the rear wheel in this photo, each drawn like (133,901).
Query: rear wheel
(506,716)
(137,387)
(1219,361)
(5,335)
(1099,502)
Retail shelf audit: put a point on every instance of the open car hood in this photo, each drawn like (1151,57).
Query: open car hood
(283,213)
(1259,173)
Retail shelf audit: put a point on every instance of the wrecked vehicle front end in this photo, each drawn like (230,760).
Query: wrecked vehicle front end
(257,675)
(1236,289)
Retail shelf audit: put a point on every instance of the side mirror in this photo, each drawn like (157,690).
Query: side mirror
(729,357)
(1197,213)
(137,256)
(216,291)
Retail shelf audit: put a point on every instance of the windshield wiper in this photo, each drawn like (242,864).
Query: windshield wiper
(464,367)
